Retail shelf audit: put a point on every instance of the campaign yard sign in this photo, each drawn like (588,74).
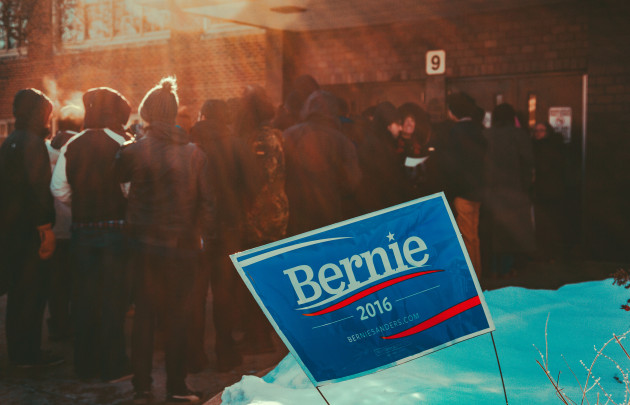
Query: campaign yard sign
(371,292)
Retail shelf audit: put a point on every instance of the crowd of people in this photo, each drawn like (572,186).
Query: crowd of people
(99,218)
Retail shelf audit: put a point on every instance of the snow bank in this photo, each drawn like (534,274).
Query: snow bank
(581,316)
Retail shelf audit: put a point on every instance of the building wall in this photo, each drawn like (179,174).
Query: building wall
(18,73)
(205,67)
(522,41)
(607,181)
(568,38)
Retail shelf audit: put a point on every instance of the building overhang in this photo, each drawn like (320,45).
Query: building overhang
(313,15)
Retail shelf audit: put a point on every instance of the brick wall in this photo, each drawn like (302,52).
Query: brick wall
(607,184)
(530,40)
(573,36)
(16,74)
(581,37)
(214,67)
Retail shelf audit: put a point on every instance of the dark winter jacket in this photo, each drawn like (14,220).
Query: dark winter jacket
(83,176)
(171,201)
(460,160)
(550,164)
(25,199)
(508,177)
(410,147)
(384,179)
(227,160)
(322,166)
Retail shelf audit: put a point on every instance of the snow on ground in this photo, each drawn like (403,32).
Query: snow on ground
(581,316)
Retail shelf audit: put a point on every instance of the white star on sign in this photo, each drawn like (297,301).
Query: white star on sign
(390,237)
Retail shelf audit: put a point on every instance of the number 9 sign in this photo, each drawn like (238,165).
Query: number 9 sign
(436,62)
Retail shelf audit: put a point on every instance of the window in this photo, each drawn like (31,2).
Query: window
(531,106)
(6,43)
(13,19)
(89,21)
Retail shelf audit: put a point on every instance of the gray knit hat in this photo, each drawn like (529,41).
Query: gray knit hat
(161,102)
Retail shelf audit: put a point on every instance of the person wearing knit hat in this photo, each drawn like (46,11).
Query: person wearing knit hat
(83,179)
(171,211)
(26,217)
(160,104)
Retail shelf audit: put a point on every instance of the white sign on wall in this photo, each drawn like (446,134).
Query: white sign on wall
(436,62)
(560,120)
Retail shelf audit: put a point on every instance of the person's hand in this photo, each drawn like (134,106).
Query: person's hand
(47,241)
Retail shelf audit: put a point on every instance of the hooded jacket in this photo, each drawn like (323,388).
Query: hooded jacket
(25,199)
(461,157)
(171,201)
(321,165)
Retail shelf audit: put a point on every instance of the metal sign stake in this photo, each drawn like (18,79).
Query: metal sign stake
(500,373)
(320,393)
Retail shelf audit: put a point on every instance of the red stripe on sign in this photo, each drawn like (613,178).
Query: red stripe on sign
(439,318)
(369,291)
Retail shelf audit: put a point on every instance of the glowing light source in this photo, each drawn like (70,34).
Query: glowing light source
(531,104)
(288,9)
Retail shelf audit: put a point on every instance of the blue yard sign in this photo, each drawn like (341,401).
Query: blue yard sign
(371,292)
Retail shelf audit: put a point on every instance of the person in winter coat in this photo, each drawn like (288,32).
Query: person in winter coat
(266,208)
(27,215)
(460,163)
(322,166)
(266,205)
(384,179)
(416,130)
(69,124)
(226,156)
(549,191)
(171,212)
(83,178)
(414,142)
(509,169)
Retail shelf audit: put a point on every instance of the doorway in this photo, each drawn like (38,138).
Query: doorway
(537,98)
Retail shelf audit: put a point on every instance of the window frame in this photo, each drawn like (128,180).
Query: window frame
(112,39)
